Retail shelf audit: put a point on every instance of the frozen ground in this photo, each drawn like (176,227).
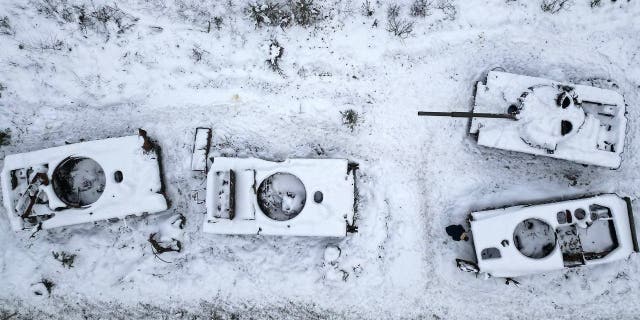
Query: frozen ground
(62,83)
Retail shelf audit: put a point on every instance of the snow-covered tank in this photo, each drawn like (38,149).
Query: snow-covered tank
(579,123)
(300,197)
(527,239)
(82,182)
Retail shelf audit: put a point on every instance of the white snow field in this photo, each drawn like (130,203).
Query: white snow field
(74,71)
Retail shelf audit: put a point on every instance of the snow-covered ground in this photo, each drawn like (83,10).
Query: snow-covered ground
(178,64)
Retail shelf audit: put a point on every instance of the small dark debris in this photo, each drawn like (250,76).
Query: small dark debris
(352,167)
(197,54)
(147,145)
(513,109)
(573,179)
(457,232)
(162,247)
(367,10)
(509,281)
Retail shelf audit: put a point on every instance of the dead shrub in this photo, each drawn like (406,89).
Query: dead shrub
(367,10)
(197,54)
(399,27)
(275,54)
(67,259)
(217,21)
(350,118)
(47,284)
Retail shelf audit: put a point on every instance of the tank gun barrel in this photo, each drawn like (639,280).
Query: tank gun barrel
(467,115)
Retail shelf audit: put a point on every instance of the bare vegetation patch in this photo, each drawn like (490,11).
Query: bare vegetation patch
(421,8)
(52,44)
(217,23)
(107,14)
(208,15)
(304,13)
(103,20)
(5,137)
(448,8)
(5,26)
(6,314)
(269,14)
(555,6)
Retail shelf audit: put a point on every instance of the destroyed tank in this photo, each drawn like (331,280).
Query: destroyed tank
(528,239)
(82,182)
(538,116)
(297,197)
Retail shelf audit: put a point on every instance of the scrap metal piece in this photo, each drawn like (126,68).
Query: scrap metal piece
(467,266)
(201,144)
(224,184)
(31,194)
